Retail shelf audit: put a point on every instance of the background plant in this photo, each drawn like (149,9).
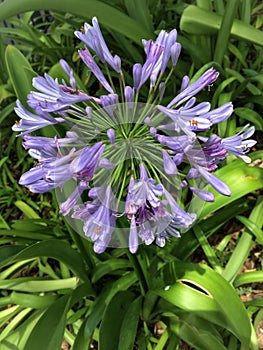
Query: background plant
(55,287)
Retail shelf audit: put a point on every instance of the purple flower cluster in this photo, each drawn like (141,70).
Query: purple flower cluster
(130,161)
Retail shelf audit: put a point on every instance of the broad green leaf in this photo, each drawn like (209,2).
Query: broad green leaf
(200,323)
(108,266)
(250,115)
(98,308)
(34,285)
(196,337)
(248,277)
(31,300)
(17,338)
(5,93)
(8,313)
(252,227)
(49,330)
(225,30)
(9,251)
(20,72)
(244,83)
(28,235)
(111,323)
(200,22)
(244,244)
(27,210)
(129,325)
(107,15)
(205,293)
(220,89)
(56,249)
(241,179)
(6,111)
(138,10)
(14,322)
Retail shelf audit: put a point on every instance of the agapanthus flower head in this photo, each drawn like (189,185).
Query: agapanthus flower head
(125,159)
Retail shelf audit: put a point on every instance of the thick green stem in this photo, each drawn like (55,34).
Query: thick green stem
(139,272)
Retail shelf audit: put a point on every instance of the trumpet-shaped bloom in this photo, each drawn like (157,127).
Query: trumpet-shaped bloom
(91,35)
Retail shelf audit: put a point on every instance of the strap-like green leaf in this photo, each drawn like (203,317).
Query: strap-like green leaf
(108,266)
(20,72)
(129,325)
(198,338)
(56,249)
(198,21)
(241,179)
(112,320)
(205,293)
(48,332)
(98,308)
(86,9)
(139,10)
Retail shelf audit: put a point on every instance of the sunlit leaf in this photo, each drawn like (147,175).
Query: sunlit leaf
(20,72)
(48,332)
(205,293)
(200,22)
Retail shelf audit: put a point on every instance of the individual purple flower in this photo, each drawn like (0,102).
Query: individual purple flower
(161,239)
(31,122)
(219,114)
(84,166)
(133,237)
(72,199)
(39,142)
(170,167)
(191,90)
(214,181)
(178,144)
(189,118)
(185,82)
(216,149)
(64,65)
(129,95)
(87,58)
(175,52)
(180,218)
(167,43)
(152,221)
(204,195)
(142,73)
(208,154)
(111,135)
(45,177)
(99,220)
(52,96)
(93,38)
(239,145)
(109,103)
(142,191)
(137,75)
